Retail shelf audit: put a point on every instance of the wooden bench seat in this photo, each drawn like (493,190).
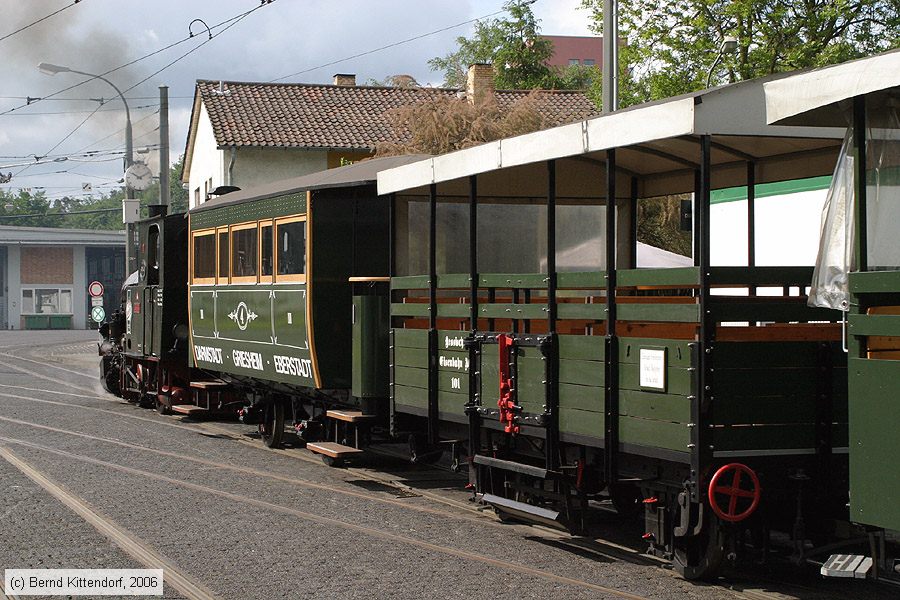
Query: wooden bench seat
(333,449)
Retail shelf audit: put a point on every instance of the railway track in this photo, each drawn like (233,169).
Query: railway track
(748,591)
(73,501)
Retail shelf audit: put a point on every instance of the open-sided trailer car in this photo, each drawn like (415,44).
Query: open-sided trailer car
(525,335)
(865,95)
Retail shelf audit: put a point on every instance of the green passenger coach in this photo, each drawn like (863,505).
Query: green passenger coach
(270,291)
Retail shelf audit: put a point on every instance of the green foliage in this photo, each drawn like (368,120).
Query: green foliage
(60,213)
(671,46)
(512,44)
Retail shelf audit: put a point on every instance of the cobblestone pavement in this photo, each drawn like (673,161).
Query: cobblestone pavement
(228,518)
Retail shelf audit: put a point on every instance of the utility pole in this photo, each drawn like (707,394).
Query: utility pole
(164,145)
(610,75)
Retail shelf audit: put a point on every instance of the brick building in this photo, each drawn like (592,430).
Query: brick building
(575,50)
(44,274)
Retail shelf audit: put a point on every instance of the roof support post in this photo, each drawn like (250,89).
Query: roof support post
(551,354)
(611,399)
(433,416)
(701,405)
(473,252)
(633,224)
(859,151)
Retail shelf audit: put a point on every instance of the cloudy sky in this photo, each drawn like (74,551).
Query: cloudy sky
(300,40)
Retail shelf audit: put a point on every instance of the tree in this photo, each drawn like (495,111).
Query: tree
(439,123)
(512,44)
(670,47)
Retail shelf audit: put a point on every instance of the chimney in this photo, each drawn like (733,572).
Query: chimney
(480,82)
(345,79)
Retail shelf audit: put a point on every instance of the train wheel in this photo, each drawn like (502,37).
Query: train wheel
(271,430)
(699,557)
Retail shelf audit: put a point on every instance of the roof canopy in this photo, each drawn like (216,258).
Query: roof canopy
(657,144)
(819,97)
(52,236)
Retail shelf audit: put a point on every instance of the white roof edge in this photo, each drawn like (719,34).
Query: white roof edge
(634,126)
(796,94)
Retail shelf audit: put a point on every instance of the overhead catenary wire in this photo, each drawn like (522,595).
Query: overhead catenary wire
(42,19)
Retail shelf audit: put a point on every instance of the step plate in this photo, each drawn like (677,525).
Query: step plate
(854,566)
(525,512)
(333,449)
(188,409)
(350,416)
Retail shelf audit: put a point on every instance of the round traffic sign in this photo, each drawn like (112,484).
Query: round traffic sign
(95,289)
(98,314)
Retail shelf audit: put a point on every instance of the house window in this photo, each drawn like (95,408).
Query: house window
(574,61)
(197,197)
(244,253)
(589,62)
(290,239)
(204,257)
(46,301)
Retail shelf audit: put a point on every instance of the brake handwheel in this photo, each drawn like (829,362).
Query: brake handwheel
(734,492)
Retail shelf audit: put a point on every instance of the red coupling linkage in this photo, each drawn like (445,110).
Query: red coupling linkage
(506,403)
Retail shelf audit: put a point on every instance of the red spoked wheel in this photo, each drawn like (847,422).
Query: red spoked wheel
(719,486)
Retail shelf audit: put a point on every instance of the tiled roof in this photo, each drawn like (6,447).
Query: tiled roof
(340,117)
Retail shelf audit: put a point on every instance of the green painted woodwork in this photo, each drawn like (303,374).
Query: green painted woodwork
(765,190)
(410,357)
(654,434)
(666,313)
(595,312)
(412,282)
(584,347)
(411,377)
(457,311)
(581,372)
(744,276)
(454,281)
(773,410)
(749,355)
(254,330)
(773,382)
(581,422)
(370,347)
(650,405)
(678,381)
(581,280)
(874,443)
(679,276)
(452,403)
(513,280)
(513,311)
(773,437)
(410,396)
(874,325)
(413,309)
(875,282)
(410,338)
(266,208)
(582,397)
(678,353)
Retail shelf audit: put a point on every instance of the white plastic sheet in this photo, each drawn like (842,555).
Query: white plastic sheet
(830,284)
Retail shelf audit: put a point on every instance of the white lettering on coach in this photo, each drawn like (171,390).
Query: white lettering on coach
(289,365)
(208,354)
(453,342)
(247,360)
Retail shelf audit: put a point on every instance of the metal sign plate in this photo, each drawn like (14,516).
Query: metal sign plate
(653,369)
(97,301)
(98,314)
(95,289)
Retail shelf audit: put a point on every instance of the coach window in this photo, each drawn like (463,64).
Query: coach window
(290,255)
(222,234)
(203,249)
(266,257)
(244,253)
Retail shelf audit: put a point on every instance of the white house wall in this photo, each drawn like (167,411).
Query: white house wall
(207,160)
(254,166)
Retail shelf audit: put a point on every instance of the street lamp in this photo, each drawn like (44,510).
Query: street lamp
(51,69)
(729,44)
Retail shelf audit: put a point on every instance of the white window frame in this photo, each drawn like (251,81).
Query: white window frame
(59,291)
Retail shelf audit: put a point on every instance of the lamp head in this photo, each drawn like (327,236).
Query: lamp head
(729,43)
(50,69)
